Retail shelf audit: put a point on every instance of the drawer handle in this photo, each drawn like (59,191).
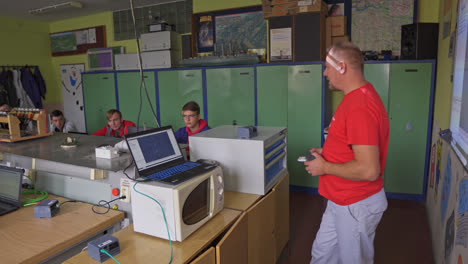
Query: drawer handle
(144,76)
(411,70)
(105,78)
(189,75)
(244,73)
(304,71)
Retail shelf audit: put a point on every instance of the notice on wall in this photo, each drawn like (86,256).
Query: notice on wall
(280,44)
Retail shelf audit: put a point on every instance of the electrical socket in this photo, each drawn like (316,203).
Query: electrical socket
(125,191)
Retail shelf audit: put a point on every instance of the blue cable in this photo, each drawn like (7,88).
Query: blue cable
(104,251)
(164,215)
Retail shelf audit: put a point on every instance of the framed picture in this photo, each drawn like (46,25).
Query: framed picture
(230,31)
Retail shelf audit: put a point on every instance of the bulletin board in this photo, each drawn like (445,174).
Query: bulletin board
(77,41)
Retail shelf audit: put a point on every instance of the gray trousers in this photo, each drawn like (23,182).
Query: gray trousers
(346,234)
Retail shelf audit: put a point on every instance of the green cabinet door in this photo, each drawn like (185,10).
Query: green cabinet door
(128,84)
(304,119)
(176,88)
(230,96)
(378,74)
(410,89)
(99,96)
(272,95)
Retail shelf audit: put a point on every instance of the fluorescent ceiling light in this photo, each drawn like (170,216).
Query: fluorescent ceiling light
(73,4)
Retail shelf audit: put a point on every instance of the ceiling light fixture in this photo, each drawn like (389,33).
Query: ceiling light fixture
(72,4)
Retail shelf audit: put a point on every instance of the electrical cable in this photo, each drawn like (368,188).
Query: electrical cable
(144,179)
(33,201)
(164,215)
(143,83)
(105,252)
(71,201)
(104,203)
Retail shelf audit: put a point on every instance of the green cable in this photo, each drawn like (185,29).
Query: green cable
(167,227)
(104,251)
(33,201)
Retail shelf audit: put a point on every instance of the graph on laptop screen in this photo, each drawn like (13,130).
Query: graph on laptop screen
(153,149)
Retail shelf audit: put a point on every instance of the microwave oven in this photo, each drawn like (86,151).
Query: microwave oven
(187,206)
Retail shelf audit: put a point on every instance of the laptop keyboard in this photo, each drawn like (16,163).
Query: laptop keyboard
(173,171)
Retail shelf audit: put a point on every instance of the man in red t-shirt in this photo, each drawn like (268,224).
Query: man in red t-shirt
(117,127)
(351,164)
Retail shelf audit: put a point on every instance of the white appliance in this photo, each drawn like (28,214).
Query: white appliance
(187,206)
(162,40)
(249,165)
(150,60)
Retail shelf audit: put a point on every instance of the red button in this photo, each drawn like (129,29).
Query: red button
(115,192)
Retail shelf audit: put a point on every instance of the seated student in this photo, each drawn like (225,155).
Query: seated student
(117,127)
(193,123)
(59,124)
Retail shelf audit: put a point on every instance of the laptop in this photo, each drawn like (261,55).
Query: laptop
(10,189)
(157,156)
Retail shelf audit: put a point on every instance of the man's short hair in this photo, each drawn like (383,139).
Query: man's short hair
(56,113)
(350,53)
(192,106)
(111,112)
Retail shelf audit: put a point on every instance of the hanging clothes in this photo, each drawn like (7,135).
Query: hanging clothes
(24,100)
(31,87)
(40,82)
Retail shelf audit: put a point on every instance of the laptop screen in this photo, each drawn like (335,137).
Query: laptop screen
(10,187)
(154,147)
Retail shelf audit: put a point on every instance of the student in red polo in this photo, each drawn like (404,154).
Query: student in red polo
(117,127)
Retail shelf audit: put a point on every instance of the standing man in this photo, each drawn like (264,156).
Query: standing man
(193,123)
(117,127)
(59,124)
(351,164)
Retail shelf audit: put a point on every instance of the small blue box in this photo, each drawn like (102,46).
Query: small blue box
(107,242)
(247,132)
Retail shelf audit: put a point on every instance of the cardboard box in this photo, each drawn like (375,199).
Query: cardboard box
(328,37)
(282,2)
(338,25)
(305,6)
(335,40)
(284,10)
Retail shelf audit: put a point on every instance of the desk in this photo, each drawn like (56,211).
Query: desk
(140,248)
(25,239)
(240,201)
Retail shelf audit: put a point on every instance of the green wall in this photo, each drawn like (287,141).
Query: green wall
(25,42)
(200,6)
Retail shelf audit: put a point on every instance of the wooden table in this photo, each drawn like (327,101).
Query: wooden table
(140,248)
(25,239)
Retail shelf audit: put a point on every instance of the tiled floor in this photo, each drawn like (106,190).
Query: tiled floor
(402,236)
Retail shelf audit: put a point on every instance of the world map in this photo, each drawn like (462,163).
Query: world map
(376,25)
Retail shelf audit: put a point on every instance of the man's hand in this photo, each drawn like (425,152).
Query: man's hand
(316,167)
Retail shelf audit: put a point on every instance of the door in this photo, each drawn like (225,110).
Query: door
(131,98)
(99,97)
(176,88)
(410,90)
(378,74)
(230,96)
(272,95)
(304,119)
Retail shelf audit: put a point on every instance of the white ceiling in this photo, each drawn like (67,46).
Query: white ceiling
(19,8)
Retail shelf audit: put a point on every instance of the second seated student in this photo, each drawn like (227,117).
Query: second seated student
(117,127)
(59,124)
(193,123)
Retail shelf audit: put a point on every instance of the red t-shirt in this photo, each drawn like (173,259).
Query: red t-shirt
(360,119)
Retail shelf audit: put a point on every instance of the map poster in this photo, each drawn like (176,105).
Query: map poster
(237,33)
(376,25)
